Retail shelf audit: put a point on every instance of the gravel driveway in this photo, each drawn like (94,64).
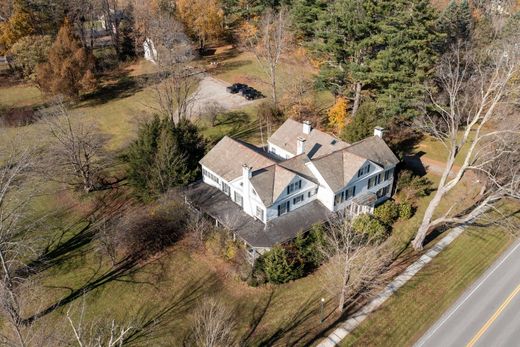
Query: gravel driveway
(213,91)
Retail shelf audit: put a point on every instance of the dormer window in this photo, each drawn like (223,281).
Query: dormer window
(294,187)
(363,171)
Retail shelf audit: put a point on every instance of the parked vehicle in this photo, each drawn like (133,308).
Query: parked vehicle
(236,88)
(251,93)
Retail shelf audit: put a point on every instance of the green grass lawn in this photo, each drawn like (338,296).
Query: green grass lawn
(435,150)
(419,303)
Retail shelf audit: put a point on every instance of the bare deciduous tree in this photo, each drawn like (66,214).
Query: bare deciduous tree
(269,43)
(474,127)
(77,151)
(100,333)
(176,85)
(353,261)
(176,93)
(15,164)
(213,324)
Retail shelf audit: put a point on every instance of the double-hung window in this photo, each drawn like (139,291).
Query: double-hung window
(294,187)
(363,171)
(298,199)
(284,207)
(259,213)
(225,188)
(238,199)
(389,174)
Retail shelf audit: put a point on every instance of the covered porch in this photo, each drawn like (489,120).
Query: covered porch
(257,236)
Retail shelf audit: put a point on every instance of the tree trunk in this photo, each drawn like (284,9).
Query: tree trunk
(273,86)
(425,227)
(357,98)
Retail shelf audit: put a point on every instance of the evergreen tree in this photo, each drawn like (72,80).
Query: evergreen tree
(163,156)
(305,14)
(399,70)
(127,35)
(455,23)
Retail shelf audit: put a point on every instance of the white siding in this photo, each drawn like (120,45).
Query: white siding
(278,151)
(307,186)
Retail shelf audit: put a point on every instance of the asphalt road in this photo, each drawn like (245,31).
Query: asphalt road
(488,314)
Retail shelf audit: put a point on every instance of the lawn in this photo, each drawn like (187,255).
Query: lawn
(419,303)
(168,289)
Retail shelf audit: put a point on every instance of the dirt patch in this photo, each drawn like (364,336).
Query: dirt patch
(17,117)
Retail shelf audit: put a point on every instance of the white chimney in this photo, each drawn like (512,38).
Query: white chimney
(378,131)
(300,145)
(307,127)
(246,188)
(246,171)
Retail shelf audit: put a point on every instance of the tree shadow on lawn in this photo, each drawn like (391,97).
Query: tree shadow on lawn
(62,248)
(295,330)
(228,66)
(155,322)
(122,271)
(123,87)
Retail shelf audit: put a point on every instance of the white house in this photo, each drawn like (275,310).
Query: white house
(301,176)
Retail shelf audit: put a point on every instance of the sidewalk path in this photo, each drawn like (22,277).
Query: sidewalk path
(355,320)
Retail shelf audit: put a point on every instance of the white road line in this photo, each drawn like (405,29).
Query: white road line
(425,338)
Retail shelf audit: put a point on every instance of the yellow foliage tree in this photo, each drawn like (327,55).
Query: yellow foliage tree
(338,115)
(19,25)
(203,18)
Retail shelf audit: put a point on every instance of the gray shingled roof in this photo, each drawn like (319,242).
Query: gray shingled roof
(297,165)
(338,163)
(270,182)
(317,143)
(374,149)
(227,157)
(218,205)
(338,168)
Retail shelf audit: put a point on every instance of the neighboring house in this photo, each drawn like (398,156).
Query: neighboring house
(299,179)
(150,53)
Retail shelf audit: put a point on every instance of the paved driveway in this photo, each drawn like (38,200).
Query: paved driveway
(488,314)
(213,91)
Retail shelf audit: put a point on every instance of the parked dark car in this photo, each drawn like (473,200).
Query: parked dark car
(251,93)
(236,88)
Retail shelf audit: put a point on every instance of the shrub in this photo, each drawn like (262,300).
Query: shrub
(308,247)
(363,123)
(405,211)
(371,227)
(280,267)
(413,186)
(231,250)
(387,212)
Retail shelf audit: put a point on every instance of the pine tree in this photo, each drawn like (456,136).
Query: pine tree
(305,14)
(464,20)
(69,67)
(163,156)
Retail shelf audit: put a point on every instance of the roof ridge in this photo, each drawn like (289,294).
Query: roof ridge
(336,151)
(247,146)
